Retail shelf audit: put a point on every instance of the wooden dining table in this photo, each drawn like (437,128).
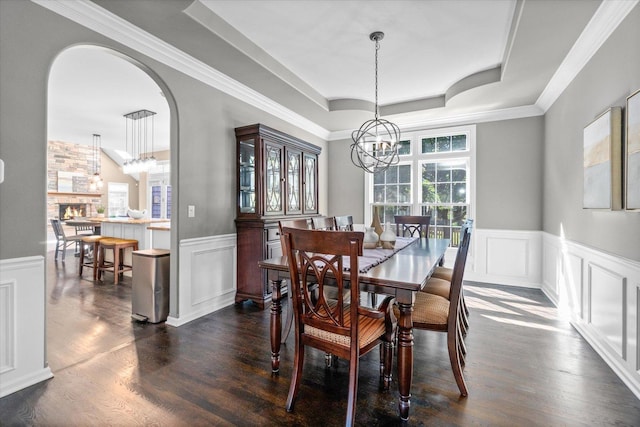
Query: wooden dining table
(84,225)
(402,275)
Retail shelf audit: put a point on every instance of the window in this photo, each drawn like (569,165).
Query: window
(159,190)
(118,198)
(434,177)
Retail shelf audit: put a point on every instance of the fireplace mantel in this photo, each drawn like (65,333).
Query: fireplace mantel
(57,193)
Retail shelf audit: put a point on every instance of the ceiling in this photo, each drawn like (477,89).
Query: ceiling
(439,60)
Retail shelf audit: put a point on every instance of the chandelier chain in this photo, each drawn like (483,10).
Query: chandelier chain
(377,48)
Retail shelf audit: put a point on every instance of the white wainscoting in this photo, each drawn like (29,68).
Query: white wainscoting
(207,277)
(22,324)
(505,257)
(601,293)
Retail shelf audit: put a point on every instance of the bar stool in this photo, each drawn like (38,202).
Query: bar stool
(118,247)
(87,242)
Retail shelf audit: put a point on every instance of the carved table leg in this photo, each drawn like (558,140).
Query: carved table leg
(276,324)
(405,359)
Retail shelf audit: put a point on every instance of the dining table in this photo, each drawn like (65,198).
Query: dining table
(402,274)
(84,224)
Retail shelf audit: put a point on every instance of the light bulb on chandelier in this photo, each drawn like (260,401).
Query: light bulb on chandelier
(95,181)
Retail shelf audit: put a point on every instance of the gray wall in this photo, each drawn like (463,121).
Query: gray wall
(508,176)
(202,140)
(609,77)
(346,182)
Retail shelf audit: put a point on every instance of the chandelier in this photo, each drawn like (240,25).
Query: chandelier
(139,130)
(375,144)
(95,181)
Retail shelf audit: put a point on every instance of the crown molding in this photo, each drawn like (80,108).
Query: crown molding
(86,13)
(100,20)
(604,22)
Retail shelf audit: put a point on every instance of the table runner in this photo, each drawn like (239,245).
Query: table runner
(373,257)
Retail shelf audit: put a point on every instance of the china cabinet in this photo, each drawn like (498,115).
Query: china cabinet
(277,179)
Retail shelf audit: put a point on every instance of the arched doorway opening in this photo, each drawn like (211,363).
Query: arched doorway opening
(90,90)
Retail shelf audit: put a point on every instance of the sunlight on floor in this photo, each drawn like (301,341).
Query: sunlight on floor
(497,293)
(525,324)
(479,304)
(546,312)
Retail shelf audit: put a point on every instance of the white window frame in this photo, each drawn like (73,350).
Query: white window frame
(417,158)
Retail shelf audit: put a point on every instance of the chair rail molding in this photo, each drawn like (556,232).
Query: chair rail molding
(22,324)
(600,293)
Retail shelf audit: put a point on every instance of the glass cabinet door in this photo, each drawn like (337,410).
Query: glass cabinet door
(310,184)
(294,181)
(273,179)
(247,176)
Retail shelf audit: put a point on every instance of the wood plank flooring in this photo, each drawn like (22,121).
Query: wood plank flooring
(525,367)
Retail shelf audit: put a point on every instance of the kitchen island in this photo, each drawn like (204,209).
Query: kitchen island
(129,228)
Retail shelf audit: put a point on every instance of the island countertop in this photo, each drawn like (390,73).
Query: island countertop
(129,220)
(160,227)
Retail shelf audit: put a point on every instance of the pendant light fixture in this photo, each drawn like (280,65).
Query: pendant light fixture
(375,144)
(139,130)
(95,181)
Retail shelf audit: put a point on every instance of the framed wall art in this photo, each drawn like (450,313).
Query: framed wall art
(632,157)
(603,161)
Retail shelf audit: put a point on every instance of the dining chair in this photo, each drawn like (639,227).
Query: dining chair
(440,281)
(436,313)
(340,327)
(62,240)
(295,223)
(304,225)
(323,223)
(410,225)
(344,223)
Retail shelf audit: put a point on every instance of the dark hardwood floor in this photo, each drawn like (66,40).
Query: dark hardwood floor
(525,367)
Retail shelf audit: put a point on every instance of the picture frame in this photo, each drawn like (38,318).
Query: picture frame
(632,153)
(602,161)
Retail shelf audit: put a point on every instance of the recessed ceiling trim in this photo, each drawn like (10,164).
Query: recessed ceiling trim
(218,26)
(409,124)
(100,20)
(480,78)
(604,22)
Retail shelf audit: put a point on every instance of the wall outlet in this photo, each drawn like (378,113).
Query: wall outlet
(192,211)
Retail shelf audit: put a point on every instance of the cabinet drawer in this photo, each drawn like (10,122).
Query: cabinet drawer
(273,234)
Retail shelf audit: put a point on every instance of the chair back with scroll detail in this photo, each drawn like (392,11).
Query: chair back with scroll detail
(340,327)
(412,225)
(344,223)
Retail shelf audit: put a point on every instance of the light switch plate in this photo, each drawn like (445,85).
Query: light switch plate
(192,211)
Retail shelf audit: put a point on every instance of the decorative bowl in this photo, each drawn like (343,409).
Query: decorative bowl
(136,214)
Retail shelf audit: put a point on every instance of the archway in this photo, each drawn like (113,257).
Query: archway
(90,89)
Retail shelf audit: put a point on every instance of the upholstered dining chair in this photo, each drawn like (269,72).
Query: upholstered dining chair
(340,327)
(344,223)
(62,240)
(412,225)
(440,281)
(436,313)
